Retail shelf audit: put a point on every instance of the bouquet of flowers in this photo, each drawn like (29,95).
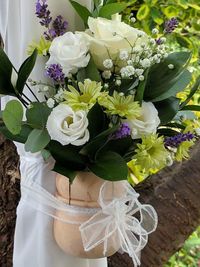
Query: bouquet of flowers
(110,105)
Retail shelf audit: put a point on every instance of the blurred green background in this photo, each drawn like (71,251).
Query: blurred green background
(151,14)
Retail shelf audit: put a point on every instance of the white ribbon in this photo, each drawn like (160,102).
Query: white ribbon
(117,218)
(122,221)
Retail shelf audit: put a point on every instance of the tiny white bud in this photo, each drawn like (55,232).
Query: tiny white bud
(140,34)
(141,78)
(118,82)
(45,89)
(155,31)
(121,94)
(50,102)
(163,40)
(106,74)
(123,55)
(171,66)
(129,62)
(133,20)
(197,130)
(108,63)
(106,85)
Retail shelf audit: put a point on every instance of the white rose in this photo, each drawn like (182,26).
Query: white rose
(108,37)
(147,123)
(70,51)
(68,127)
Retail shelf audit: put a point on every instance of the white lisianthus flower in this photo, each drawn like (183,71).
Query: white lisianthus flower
(108,37)
(70,51)
(68,127)
(147,123)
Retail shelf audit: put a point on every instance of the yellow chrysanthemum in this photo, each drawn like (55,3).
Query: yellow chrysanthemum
(151,154)
(136,173)
(183,150)
(86,98)
(191,126)
(121,105)
(42,47)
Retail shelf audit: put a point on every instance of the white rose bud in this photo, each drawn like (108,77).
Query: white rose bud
(70,51)
(147,123)
(68,127)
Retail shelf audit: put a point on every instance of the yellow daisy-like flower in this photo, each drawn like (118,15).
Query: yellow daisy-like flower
(86,98)
(136,173)
(183,150)
(121,105)
(151,154)
(42,47)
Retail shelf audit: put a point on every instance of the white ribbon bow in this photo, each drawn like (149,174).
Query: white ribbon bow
(116,222)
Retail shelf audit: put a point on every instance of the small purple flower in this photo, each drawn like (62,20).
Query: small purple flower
(123,131)
(55,72)
(43,13)
(159,41)
(171,25)
(176,140)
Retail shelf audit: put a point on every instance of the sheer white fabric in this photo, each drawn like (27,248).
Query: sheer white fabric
(34,242)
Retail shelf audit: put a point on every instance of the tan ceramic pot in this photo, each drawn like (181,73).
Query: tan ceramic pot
(84,192)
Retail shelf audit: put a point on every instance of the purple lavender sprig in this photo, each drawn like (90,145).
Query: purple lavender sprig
(56,27)
(55,72)
(43,13)
(123,131)
(176,140)
(171,25)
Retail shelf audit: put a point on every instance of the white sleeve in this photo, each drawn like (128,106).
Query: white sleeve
(4,5)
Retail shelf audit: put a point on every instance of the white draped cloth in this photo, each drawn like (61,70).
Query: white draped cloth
(34,241)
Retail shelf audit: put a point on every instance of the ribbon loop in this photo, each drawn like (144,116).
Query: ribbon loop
(124,218)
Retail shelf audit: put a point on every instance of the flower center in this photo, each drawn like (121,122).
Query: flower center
(68,120)
(85,98)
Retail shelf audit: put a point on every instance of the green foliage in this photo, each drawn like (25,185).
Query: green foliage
(12,116)
(189,255)
(37,115)
(25,70)
(90,72)
(6,68)
(37,140)
(110,166)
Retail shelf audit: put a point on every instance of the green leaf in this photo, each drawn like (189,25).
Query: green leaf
(25,70)
(119,146)
(192,107)
(91,148)
(21,137)
(171,11)
(45,154)
(192,92)
(96,126)
(167,132)
(37,140)
(37,115)
(70,174)
(67,156)
(141,88)
(143,12)
(12,116)
(157,86)
(82,11)
(197,7)
(157,16)
(90,72)
(167,109)
(180,85)
(110,166)
(6,68)
(110,9)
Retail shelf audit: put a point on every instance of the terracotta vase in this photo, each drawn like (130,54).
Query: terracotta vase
(84,192)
